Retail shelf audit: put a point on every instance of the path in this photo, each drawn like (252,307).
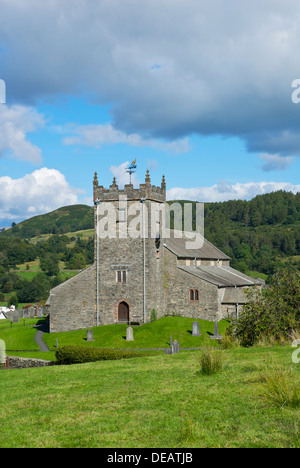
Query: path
(39,336)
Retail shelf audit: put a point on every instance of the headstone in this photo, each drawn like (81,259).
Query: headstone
(90,336)
(196,329)
(31,312)
(168,351)
(2,352)
(216,335)
(40,311)
(15,316)
(129,334)
(175,347)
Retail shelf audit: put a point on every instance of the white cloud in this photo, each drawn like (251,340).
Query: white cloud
(224,191)
(40,192)
(122,177)
(15,123)
(106,134)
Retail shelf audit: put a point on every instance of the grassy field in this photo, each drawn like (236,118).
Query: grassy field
(151,335)
(158,401)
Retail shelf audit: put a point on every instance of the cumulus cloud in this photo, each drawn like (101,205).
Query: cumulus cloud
(15,122)
(166,69)
(98,135)
(122,176)
(40,192)
(224,191)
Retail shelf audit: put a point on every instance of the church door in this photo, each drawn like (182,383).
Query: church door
(123,312)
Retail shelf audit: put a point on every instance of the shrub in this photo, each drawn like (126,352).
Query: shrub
(13,300)
(211,361)
(153,315)
(279,387)
(81,354)
(229,342)
(271,315)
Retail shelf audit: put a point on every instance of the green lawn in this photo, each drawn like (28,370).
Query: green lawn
(158,401)
(151,335)
(19,338)
(6,323)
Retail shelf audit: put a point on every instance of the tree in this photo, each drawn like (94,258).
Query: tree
(50,264)
(13,300)
(275,313)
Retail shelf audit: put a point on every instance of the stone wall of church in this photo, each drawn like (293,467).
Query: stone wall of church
(177,284)
(73,303)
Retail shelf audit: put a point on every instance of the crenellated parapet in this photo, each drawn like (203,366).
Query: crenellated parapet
(113,193)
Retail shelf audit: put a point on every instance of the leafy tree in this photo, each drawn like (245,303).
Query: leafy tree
(50,264)
(275,312)
(13,300)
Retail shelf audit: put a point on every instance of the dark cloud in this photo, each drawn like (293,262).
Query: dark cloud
(167,69)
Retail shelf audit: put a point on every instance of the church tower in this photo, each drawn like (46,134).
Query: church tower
(129,254)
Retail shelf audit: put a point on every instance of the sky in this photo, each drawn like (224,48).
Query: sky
(204,92)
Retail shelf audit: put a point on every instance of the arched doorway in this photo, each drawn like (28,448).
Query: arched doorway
(123,312)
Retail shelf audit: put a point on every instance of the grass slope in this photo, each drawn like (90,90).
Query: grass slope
(150,335)
(68,219)
(158,401)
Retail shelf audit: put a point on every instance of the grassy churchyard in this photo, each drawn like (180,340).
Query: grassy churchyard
(161,401)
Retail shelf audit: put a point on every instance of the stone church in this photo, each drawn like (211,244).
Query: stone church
(139,269)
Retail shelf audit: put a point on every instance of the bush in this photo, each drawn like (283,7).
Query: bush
(81,354)
(229,342)
(270,315)
(279,386)
(211,361)
(153,315)
(13,300)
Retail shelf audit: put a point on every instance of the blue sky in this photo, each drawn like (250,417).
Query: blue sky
(198,91)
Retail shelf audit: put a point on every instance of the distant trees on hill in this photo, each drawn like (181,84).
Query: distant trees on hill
(49,252)
(257,234)
(260,235)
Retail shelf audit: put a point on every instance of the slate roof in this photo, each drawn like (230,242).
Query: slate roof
(234,296)
(207,252)
(220,276)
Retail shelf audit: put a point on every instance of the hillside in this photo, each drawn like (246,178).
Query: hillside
(66,219)
(260,236)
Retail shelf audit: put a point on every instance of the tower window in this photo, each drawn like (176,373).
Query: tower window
(193,295)
(121,276)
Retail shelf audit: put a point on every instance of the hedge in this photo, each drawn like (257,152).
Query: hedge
(81,354)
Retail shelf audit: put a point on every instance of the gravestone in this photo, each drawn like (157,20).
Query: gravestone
(175,347)
(40,311)
(129,334)
(168,351)
(89,335)
(15,317)
(2,352)
(31,312)
(196,329)
(216,335)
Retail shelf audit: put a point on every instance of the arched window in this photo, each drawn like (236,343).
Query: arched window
(193,295)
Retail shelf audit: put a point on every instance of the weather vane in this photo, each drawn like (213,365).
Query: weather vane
(131,169)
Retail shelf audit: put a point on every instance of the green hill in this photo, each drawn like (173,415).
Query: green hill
(66,219)
(259,235)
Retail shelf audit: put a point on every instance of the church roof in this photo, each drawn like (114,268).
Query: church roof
(220,276)
(206,251)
